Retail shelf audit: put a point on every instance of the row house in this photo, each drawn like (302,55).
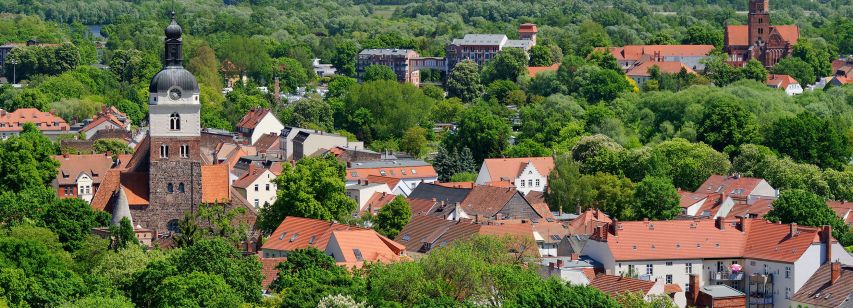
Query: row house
(768,262)
(525,174)
(51,125)
(410,172)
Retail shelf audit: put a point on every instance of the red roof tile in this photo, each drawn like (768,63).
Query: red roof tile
(672,288)
(527,27)
(615,285)
(377,201)
(820,291)
(486,201)
(690,198)
(108,186)
(392,182)
(424,233)
(779,81)
(214,184)
(98,120)
(299,233)
(670,67)
(71,166)
(266,142)
(637,52)
(842,210)
(587,221)
(537,201)
(738,35)
(269,270)
(505,169)
(372,246)
(421,206)
(252,118)
(136,187)
(757,209)
(532,71)
(251,176)
(729,185)
(44,121)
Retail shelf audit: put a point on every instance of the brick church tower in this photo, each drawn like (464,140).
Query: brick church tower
(175,137)
(759,21)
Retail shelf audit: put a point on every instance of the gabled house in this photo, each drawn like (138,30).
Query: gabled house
(410,172)
(362,191)
(351,248)
(256,123)
(299,233)
(376,202)
(843,210)
(396,185)
(258,185)
(424,233)
(109,118)
(787,83)
(830,287)
(12,123)
(492,203)
(80,176)
(767,260)
(439,193)
(525,174)
(729,196)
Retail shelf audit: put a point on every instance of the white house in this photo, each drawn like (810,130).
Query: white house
(784,82)
(728,196)
(526,174)
(775,260)
(362,191)
(256,123)
(258,185)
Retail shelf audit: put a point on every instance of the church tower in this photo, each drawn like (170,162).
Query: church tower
(175,137)
(758,21)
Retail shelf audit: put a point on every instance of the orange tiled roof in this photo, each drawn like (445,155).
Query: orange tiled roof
(252,118)
(587,221)
(71,166)
(105,191)
(615,285)
(486,201)
(842,210)
(214,184)
(136,187)
(44,121)
(672,288)
(269,270)
(537,201)
(532,71)
(377,201)
(299,233)
(670,67)
(780,81)
(636,52)
(757,209)
(738,35)
(690,198)
(423,233)
(101,119)
(372,246)
(401,172)
(251,176)
(729,185)
(391,182)
(527,27)
(504,169)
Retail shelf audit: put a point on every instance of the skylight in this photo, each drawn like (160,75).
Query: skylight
(358,256)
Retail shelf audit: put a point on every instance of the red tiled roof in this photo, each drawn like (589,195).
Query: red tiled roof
(44,121)
(690,198)
(253,117)
(101,119)
(819,291)
(527,27)
(842,80)
(299,233)
(670,67)
(105,191)
(486,201)
(672,288)
(615,285)
(587,221)
(269,270)
(532,71)
(391,182)
(377,201)
(757,209)
(423,233)
(537,201)
(373,247)
(136,187)
(421,206)
(702,239)
(266,142)
(636,52)
(504,169)
(780,81)
(842,210)
(738,35)
(214,184)
(250,177)
(71,166)
(728,185)
(399,172)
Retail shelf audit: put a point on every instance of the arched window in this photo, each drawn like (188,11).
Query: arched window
(175,121)
(164,151)
(181,187)
(170,188)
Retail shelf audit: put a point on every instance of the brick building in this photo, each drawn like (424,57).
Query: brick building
(397,59)
(758,39)
(483,47)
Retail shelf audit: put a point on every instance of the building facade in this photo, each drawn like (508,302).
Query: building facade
(397,59)
(481,48)
(758,39)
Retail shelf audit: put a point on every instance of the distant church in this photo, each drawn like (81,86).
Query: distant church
(758,39)
(168,176)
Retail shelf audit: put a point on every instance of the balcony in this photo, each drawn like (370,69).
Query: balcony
(726,276)
(761,299)
(761,279)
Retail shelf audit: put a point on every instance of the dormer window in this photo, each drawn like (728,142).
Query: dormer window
(175,121)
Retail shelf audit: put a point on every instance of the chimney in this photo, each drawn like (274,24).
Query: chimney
(559,263)
(574,257)
(835,272)
(826,238)
(383,195)
(580,210)
(615,227)
(694,289)
(366,182)
(744,224)
(720,223)
(793,231)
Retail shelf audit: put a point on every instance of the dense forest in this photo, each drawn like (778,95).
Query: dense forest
(620,147)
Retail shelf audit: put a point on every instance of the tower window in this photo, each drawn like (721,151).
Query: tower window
(164,151)
(181,187)
(760,20)
(185,151)
(175,121)
(760,31)
(170,188)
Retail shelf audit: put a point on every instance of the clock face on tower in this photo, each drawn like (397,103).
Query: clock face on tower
(175,94)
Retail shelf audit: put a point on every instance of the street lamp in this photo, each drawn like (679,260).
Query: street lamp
(14,63)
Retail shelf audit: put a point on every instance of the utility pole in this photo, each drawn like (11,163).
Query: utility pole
(14,63)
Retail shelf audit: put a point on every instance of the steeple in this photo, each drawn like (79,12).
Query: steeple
(174,43)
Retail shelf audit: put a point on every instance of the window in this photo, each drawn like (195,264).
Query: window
(175,121)
(788,293)
(358,256)
(268,187)
(719,266)
(164,151)
(256,187)
(668,263)
(180,187)
(752,263)
(765,269)
(688,268)
(170,188)
(522,183)
(530,183)
(185,151)
(257,202)
(631,269)
(537,182)
(668,279)
(787,272)
(760,20)
(650,269)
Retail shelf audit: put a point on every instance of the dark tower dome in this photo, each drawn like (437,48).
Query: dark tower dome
(173,31)
(173,81)
(172,77)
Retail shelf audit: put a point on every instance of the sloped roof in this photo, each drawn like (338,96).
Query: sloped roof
(105,191)
(392,182)
(430,191)
(757,209)
(370,244)
(421,206)
(269,270)
(842,209)
(402,171)
(136,187)
(819,291)
(214,184)
(690,198)
(587,221)
(503,169)
(486,201)
(44,121)
(729,185)
(377,201)
(532,71)
(779,81)
(250,177)
(468,185)
(670,67)
(253,117)
(636,52)
(299,233)
(266,142)
(101,119)
(738,35)
(71,166)
(433,231)
(537,201)
(615,285)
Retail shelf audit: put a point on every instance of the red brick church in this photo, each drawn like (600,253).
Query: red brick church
(758,39)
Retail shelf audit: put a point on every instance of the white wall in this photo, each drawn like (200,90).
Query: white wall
(160,115)
(763,189)
(265,193)
(269,124)
(361,193)
(660,269)
(483,177)
(102,126)
(530,175)
(85,190)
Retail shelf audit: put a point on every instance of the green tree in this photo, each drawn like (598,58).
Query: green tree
(562,185)
(755,70)
(109,145)
(656,198)
(464,81)
(508,64)
(218,257)
(540,55)
(314,188)
(196,289)
(720,72)
(464,177)
(309,112)
(482,130)
(686,164)
(26,160)
(344,57)
(447,110)
(393,217)
(816,53)
(527,148)
(72,220)
(399,106)
(450,161)
(204,65)
(808,138)
(796,68)
(123,235)
(379,72)
(808,209)
(308,275)
(133,66)
(100,301)
(499,90)
(704,34)
(640,300)
(726,125)
(414,141)
(291,74)
(597,84)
